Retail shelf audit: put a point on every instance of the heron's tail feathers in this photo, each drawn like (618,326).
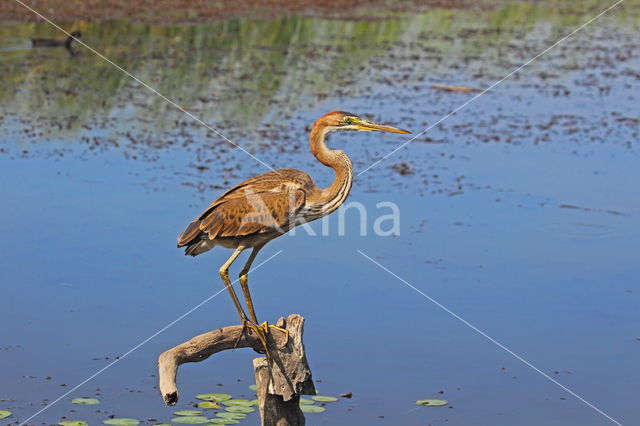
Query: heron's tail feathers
(198,247)
(195,241)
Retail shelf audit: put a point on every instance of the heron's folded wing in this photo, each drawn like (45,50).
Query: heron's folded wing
(252,213)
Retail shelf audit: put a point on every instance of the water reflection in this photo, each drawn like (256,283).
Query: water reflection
(492,240)
(243,73)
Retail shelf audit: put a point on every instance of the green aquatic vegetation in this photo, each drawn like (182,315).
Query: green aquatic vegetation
(73,423)
(85,401)
(321,398)
(312,409)
(306,401)
(191,420)
(4,414)
(432,402)
(209,405)
(187,413)
(239,409)
(122,422)
(253,387)
(234,416)
(224,421)
(232,402)
(216,397)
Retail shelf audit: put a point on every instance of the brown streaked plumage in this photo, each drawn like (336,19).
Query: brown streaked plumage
(266,206)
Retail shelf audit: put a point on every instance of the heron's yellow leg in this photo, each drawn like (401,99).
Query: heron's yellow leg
(224,273)
(244,283)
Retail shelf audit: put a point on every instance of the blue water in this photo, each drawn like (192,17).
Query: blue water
(532,238)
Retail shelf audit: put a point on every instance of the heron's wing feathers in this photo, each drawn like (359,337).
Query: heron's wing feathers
(254,213)
(260,204)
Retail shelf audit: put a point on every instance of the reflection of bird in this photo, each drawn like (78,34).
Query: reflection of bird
(254,212)
(50,42)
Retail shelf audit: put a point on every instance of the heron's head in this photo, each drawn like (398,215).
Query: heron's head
(341,120)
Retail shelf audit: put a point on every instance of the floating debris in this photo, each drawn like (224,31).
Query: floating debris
(85,401)
(432,402)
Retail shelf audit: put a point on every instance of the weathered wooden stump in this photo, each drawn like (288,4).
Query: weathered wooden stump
(280,379)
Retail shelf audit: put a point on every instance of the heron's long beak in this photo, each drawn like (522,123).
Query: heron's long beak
(369,126)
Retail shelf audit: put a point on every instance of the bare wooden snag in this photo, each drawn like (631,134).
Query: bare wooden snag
(280,379)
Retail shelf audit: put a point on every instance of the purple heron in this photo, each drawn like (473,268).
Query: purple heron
(254,212)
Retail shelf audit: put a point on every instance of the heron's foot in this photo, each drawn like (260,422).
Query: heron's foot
(266,327)
(261,333)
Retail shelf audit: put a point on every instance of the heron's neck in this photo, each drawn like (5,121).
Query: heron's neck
(334,195)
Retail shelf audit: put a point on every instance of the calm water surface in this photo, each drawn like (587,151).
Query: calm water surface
(520,213)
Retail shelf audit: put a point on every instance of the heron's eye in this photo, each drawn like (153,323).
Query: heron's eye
(347,120)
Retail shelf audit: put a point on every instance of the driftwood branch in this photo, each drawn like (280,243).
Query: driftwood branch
(280,380)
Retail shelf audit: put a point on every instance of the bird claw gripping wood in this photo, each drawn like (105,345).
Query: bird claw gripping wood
(266,326)
(261,332)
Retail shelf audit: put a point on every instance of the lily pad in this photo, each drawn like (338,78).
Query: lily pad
(122,422)
(306,401)
(312,409)
(432,402)
(243,402)
(4,414)
(234,416)
(224,421)
(162,424)
(191,420)
(216,397)
(321,398)
(187,413)
(254,402)
(85,401)
(208,404)
(73,423)
(240,409)
(253,387)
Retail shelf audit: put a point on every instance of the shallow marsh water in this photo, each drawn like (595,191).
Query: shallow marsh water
(520,213)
